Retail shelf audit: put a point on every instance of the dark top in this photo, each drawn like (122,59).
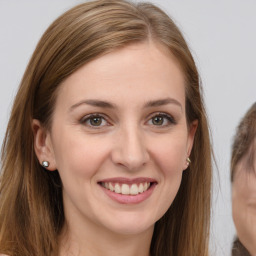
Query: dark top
(238,249)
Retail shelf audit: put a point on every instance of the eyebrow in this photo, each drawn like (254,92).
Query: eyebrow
(106,104)
(162,102)
(95,103)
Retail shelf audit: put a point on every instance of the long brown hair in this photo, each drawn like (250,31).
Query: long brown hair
(244,148)
(31,210)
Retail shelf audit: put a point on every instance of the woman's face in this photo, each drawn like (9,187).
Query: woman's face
(120,140)
(244,204)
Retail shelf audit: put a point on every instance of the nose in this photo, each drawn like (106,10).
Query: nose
(129,149)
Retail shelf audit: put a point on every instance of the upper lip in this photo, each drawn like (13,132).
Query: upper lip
(123,180)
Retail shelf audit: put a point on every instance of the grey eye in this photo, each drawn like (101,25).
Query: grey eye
(158,120)
(161,119)
(95,121)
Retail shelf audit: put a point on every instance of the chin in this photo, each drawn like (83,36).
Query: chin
(131,224)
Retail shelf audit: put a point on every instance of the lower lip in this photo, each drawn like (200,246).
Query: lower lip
(130,199)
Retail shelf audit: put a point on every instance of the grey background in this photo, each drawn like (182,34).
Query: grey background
(222,37)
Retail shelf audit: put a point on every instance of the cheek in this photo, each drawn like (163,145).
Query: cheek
(238,196)
(170,154)
(244,188)
(79,156)
(236,204)
(241,194)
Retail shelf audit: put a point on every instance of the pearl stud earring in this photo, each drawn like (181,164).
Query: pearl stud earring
(188,161)
(45,164)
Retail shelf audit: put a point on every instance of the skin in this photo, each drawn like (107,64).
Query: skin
(128,144)
(244,205)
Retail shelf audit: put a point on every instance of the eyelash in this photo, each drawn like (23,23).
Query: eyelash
(89,118)
(169,118)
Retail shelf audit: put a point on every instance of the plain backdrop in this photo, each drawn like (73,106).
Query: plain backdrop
(222,37)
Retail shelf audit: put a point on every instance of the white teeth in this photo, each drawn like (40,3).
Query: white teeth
(110,186)
(125,189)
(134,190)
(106,185)
(141,189)
(145,186)
(117,188)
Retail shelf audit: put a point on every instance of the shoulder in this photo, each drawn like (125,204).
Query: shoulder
(238,249)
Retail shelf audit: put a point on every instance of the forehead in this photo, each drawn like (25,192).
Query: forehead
(144,68)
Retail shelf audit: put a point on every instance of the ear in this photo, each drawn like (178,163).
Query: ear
(190,141)
(43,145)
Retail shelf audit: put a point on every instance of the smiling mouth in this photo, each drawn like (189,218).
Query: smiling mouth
(127,189)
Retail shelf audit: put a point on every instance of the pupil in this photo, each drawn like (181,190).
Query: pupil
(95,121)
(158,120)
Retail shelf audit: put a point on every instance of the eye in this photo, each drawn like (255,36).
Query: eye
(94,120)
(161,119)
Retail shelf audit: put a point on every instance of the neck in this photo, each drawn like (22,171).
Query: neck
(95,241)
